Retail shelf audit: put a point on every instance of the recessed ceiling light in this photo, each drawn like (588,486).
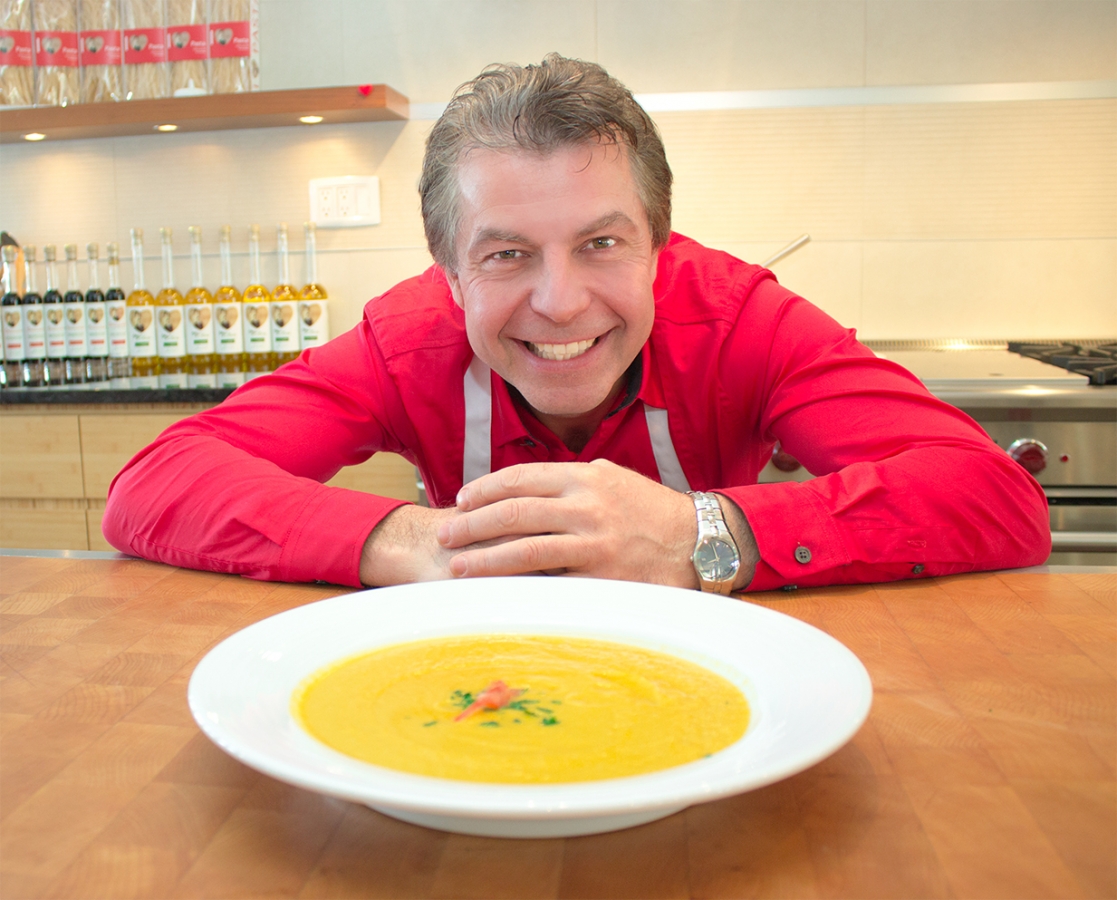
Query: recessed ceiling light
(34,136)
(166,128)
(310,120)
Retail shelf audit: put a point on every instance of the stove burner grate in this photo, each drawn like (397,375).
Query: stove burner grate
(1098,362)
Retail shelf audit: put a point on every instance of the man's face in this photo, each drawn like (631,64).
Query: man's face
(555,272)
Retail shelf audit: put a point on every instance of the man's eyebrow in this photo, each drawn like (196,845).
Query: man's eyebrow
(606,221)
(485,235)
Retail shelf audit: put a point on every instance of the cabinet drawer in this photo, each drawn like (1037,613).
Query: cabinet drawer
(40,456)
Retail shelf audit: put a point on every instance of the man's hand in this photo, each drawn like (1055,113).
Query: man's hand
(595,519)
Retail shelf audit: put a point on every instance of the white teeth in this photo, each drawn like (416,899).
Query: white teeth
(560,351)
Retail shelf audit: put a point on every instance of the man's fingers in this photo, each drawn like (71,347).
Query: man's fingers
(499,519)
(550,554)
(527,480)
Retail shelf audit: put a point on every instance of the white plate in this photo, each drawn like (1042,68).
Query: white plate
(808,696)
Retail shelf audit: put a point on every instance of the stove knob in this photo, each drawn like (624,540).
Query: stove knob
(783,460)
(1030,453)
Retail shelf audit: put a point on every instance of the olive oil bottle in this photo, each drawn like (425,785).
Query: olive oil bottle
(314,309)
(34,330)
(12,327)
(228,316)
(257,313)
(201,363)
(97,360)
(170,321)
(142,344)
(54,322)
(284,305)
(77,336)
(116,320)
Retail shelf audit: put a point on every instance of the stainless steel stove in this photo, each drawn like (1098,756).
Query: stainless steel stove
(1052,405)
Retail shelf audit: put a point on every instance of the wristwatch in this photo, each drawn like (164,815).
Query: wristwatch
(716,557)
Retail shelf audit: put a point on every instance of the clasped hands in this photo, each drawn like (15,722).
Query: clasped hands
(593,519)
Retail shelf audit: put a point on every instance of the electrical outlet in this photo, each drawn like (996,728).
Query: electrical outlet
(349,201)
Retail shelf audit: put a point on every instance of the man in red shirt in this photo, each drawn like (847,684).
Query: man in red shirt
(583,393)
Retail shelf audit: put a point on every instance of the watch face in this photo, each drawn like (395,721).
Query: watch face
(716,560)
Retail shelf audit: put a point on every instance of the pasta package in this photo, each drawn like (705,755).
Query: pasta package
(57,80)
(234,33)
(17,82)
(145,50)
(101,51)
(187,47)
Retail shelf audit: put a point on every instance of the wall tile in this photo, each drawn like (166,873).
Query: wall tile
(952,42)
(715,45)
(992,170)
(427,49)
(990,289)
(300,44)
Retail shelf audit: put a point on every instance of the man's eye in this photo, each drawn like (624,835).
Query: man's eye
(506,254)
(602,243)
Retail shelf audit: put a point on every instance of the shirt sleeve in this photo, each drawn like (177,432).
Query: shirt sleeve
(238,488)
(906,485)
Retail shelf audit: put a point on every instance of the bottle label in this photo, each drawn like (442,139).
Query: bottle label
(186,42)
(173,380)
(116,320)
(228,326)
(229,379)
(97,329)
(201,380)
(284,326)
(314,323)
(144,381)
(141,332)
(229,39)
(34,332)
(145,45)
(100,48)
(257,328)
(56,48)
(199,329)
(55,327)
(15,47)
(13,334)
(77,337)
(172,332)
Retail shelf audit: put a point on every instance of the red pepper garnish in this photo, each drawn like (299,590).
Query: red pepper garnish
(495,696)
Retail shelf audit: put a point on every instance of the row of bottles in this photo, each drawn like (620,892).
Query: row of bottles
(103,338)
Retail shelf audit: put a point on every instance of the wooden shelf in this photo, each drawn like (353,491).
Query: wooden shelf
(215,112)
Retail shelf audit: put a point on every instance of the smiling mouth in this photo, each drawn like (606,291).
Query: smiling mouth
(560,351)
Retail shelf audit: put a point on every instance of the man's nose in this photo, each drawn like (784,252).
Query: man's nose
(560,294)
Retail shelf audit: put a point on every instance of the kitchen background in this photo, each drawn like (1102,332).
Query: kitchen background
(934,211)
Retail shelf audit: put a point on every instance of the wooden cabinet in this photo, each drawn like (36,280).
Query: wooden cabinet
(56,463)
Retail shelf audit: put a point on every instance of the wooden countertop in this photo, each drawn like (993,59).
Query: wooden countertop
(986,769)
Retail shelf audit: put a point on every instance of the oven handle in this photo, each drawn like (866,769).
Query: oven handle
(1089,541)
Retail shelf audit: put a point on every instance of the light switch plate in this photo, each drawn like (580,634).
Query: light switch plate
(348,201)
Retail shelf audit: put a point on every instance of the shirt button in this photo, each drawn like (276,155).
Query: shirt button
(803,555)
(917,569)
(527,442)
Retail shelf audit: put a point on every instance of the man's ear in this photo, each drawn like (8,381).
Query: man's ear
(455,288)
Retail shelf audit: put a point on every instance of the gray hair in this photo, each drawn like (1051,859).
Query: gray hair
(559,103)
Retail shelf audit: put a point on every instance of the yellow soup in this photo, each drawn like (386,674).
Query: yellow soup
(521,709)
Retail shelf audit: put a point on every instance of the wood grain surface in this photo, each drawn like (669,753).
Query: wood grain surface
(986,768)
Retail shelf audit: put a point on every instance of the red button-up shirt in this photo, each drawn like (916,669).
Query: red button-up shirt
(905,485)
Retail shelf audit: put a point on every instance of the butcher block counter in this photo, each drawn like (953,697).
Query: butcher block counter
(986,767)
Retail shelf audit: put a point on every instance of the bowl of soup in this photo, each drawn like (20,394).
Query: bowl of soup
(530,707)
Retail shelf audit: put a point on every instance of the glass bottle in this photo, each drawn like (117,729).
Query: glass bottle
(284,305)
(257,313)
(116,318)
(34,328)
(171,327)
(14,355)
(96,362)
(54,323)
(142,345)
(201,363)
(77,334)
(314,307)
(228,316)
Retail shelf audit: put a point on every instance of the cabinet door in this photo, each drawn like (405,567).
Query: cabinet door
(109,440)
(40,456)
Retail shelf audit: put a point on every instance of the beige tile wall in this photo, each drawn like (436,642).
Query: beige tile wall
(968,220)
